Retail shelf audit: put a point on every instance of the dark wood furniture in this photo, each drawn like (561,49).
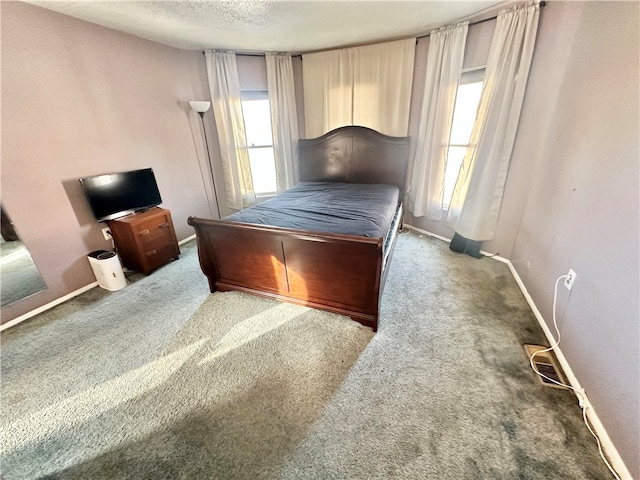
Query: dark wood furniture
(339,273)
(145,240)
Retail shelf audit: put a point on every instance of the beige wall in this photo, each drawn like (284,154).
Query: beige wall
(577,158)
(80,100)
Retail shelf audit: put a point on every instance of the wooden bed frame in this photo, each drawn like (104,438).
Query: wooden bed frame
(344,274)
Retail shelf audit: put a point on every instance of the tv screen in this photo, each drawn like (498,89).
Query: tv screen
(117,194)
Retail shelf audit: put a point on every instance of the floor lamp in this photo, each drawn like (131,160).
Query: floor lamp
(202,107)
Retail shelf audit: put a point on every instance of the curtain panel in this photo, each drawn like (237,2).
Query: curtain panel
(444,66)
(477,195)
(224,86)
(327,80)
(284,118)
(368,86)
(382,81)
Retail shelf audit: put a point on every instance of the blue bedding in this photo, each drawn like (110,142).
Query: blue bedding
(347,208)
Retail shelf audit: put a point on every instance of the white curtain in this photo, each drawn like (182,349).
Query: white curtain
(444,66)
(368,86)
(327,82)
(224,85)
(477,196)
(284,118)
(382,80)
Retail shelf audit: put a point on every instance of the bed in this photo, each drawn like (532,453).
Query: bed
(303,246)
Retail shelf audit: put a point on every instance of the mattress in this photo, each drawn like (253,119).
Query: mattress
(345,208)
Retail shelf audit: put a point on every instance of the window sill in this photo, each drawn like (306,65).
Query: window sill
(261,197)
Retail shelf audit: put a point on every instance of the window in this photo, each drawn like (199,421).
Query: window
(464,116)
(257,124)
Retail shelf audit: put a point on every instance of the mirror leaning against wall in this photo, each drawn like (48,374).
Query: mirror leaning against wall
(19,276)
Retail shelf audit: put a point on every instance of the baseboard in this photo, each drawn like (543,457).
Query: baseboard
(46,307)
(607,445)
(425,232)
(188,239)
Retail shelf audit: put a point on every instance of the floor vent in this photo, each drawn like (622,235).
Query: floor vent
(546,364)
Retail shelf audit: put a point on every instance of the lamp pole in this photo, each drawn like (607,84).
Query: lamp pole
(201,107)
(213,180)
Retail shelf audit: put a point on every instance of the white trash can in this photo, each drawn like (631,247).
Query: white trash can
(107,269)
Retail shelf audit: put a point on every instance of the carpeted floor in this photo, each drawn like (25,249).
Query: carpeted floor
(164,380)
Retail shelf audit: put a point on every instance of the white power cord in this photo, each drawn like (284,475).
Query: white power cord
(579,393)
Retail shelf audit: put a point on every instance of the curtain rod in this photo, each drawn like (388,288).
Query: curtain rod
(477,22)
(493,17)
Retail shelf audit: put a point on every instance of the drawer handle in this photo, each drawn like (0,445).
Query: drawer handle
(151,253)
(164,225)
(144,232)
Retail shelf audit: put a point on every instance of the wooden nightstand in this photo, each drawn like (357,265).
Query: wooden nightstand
(145,240)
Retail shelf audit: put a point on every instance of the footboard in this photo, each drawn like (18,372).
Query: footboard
(338,273)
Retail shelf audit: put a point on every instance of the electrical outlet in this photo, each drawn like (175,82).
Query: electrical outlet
(571,277)
(106,233)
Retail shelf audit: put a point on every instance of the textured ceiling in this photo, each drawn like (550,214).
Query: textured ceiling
(268,25)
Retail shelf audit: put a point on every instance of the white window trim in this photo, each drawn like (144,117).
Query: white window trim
(257,94)
(467,76)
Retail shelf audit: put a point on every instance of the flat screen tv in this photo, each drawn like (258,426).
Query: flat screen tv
(118,194)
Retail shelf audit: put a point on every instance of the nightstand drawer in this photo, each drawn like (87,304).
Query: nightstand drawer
(159,254)
(153,245)
(153,229)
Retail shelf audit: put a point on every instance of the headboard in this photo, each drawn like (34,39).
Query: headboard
(354,154)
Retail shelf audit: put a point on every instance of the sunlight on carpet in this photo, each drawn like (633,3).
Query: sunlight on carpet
(254,327)
(80,408)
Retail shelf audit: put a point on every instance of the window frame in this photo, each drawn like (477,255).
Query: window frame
(467,76)
(258,94)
